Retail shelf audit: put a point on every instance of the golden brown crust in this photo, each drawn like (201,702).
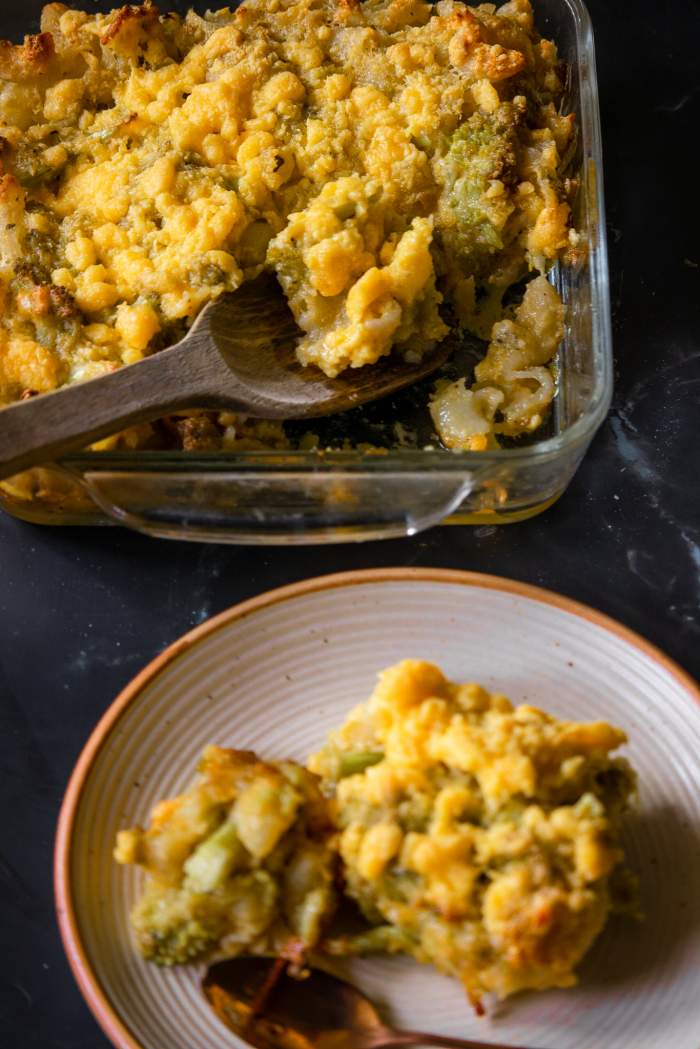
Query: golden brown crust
(40,297)
(483,61)
(466,23)
(22,62)
(146,13)
(8,187)
(62,302)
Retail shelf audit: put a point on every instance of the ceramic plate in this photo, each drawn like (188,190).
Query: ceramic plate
(274,674)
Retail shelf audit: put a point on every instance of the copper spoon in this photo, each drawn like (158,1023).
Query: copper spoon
(259,1001)
(238,355)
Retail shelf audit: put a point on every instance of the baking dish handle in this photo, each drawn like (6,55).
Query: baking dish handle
(267,508)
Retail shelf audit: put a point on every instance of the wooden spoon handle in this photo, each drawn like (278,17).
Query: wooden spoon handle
(46,427)
(389,1038)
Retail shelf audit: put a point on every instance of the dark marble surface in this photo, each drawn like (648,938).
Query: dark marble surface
(82,610)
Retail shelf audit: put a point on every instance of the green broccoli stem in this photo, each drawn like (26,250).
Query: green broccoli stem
(351,764)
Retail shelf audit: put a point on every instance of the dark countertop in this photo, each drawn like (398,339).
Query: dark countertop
(82,610)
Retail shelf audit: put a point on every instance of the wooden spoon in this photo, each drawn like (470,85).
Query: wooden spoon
(238,355)
(263,1004)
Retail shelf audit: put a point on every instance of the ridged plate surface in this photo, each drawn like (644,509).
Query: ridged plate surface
(277,678)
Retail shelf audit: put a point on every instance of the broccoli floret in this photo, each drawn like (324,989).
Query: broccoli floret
(481,150)
(167,934)
(178,925)
(182,944)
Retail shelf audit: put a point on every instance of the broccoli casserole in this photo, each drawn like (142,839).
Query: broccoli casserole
(476,836)
(239,863)
(399,165)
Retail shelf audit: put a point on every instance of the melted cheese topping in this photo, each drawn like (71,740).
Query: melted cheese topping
(380,157)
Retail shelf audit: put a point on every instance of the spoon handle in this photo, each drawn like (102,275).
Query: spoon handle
(43,428)
(388,1037)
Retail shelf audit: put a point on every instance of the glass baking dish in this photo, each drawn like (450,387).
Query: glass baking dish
(336,496)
